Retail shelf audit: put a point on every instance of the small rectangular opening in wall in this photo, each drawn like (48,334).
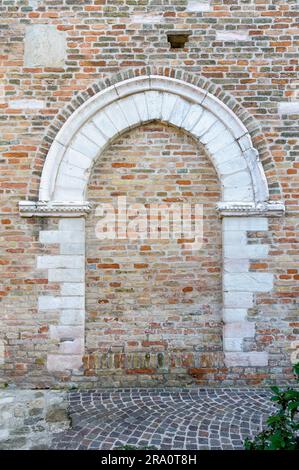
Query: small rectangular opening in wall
(178,40)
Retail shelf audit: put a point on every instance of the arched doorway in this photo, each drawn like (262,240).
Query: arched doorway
(244,204)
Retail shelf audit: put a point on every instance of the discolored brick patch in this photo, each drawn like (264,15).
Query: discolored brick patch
(166,419)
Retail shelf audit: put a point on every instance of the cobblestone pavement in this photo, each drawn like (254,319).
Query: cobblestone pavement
(164,419)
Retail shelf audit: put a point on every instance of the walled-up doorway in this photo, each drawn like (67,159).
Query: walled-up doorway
(119,122)
(153,305)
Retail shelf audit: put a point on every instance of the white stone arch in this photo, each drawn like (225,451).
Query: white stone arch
(136,101)
(244,205)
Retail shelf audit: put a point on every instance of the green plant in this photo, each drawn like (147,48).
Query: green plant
(282,428)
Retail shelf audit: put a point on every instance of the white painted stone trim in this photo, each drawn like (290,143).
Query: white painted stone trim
(241,209)
(199,5)
(67,270)
(288,107)
(54,209)
(26,104)
(79,209)
(132,102)
(232,36)
(240,286)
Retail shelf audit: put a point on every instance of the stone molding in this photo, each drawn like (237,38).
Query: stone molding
(239,209)
(54,209)
(81,209)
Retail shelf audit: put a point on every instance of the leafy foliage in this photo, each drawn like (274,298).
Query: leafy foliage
(282,429)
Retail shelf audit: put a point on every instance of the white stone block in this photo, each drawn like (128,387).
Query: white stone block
(220,142)
(63,362)
(45,46)
(241,178)
(66,332)
(199,5)
(242,300)
(84,145)
(246,359)
(72,248)
(238,163)
(228,153)
(60,261)
(50,302)
(246,144)
(66,275)
(294,349)
(52,162)
(69,224)
(239,193)
(233,344)
(236,238)
(141,106)
(33,3)
(117,117)
(132,86)
(154,104)
(179,112)
(147,18)
(232,36)
(193,116)
(168,106)
(93,133)
(26,104)
(245,223)
(231,315)
(73,288)
(128,108)
(72,347)
(66,181)
(73,157)
(72,170)
(237,265)
(68,302)
(64,193)
(288,107)
(58,236)
(105,124)
(206,121)
(72,317)
(214,131)
(252,282)
(243,329)
(245,251)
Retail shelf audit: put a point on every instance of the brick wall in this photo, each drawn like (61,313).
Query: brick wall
(153,305)
(247,49)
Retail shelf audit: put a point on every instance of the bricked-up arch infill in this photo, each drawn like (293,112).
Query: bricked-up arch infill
(244,205)
(132,102)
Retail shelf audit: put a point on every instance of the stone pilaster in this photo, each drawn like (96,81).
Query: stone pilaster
(240,286)
(68,270)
